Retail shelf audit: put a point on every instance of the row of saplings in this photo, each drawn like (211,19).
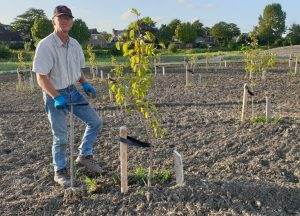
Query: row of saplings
(129,92)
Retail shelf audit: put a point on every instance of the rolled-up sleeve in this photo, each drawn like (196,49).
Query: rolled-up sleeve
(43,60)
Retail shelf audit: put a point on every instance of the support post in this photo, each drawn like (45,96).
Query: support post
(296,65)
(163,70)
(268,109)
(123,160)
(101,74)
(244,103)
(225,64)
(109,92)
(178,168)
(290,61)
(187,76)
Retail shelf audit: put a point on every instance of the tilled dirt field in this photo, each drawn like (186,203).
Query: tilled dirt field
(230,168)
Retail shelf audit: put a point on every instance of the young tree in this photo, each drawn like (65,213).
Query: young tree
(24,22)
(293,36)
(146,24)
(80,31)
(271,24)
(133,87)
(186,33)
(41,28)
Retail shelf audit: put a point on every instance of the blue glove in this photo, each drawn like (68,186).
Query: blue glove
(60,102)
(89,89)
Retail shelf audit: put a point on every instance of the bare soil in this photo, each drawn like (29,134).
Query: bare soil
(231,168)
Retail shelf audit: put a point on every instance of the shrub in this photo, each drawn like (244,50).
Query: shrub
(5,52)
(172,48)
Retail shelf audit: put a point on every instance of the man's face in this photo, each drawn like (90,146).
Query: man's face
(63,23)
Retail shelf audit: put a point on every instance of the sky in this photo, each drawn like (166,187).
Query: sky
(108,14)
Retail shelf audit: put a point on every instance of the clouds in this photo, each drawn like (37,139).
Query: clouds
(194,5)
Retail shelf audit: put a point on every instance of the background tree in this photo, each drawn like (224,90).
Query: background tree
(165,34)
(224,32)
(199,28)
(173,25)
(293,36)
(107,36)
(24,22)
(80,31)
(271,24)
(41,28)
(186,33)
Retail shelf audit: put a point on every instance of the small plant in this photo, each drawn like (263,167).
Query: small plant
(263,120)
(162,176)
(92,59)
(91,184)
(140,176)
(172,48)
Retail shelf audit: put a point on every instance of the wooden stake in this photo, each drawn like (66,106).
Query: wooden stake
(178,168)
(199,78)
(225,64)
(187,76)
(244,103)
(163,71)
(109,92)
(123,160)
(206,61)
(263,75)
(101,74)
(268,109)
(290,61)
(296,65)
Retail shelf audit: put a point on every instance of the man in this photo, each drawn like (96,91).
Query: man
(58,61)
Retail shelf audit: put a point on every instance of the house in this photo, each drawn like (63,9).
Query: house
(205,41)
(9,36)
(98,39)
(116,34)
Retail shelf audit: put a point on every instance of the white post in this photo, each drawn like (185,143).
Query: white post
(163,70)
(109,92)
(244,102)
(268,109)
(296,65)
(263,75)
(290,61)
(225,64)
(187,81)
(123,160)
(199,79)
(101,74)
(178,167)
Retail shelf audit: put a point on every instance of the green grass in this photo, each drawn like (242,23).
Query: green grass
(262,120)
(8,66)
(140,176)
(165,57)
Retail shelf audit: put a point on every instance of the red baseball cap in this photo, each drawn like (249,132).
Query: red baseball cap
(62,10)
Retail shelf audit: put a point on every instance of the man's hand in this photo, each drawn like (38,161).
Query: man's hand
(60,102)
(89,89)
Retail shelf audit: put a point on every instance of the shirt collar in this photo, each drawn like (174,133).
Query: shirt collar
(58,41)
